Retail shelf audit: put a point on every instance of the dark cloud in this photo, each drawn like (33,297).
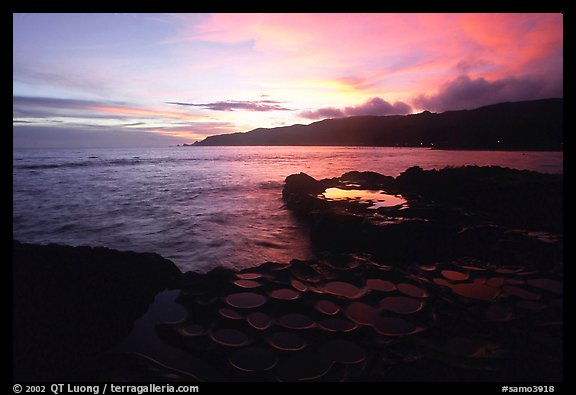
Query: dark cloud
(373,106)
(322,113)
(133,124)
(233,105)
(465,93)
(43,107)
(27,101)
(65,137)
(378,106)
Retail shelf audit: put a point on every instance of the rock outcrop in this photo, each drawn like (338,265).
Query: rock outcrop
(70,303)
(489,213)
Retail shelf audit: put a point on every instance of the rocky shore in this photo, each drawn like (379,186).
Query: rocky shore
(450,275)
(70,303)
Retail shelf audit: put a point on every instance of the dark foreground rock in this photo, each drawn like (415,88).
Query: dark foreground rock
(345,317)
(348,318)
(519,198)
(71,303)
(496,214)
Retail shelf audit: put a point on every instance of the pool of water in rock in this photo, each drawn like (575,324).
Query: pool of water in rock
(374,199)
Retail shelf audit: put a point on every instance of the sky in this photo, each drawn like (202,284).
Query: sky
(121,80)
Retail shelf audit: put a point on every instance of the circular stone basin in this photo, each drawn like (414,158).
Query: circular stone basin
(499,313)
(394,326)
(303,366)
(453,275)
(251,359)
(270,267)
(247,283)
(327,307)
(304,272)
(341,288)
(343,351)
(495,282)
(248,276)
(476,268)
(361,313)
(229,337)
(427,268)
(287,341)
(442,282)
(401,304)
(508,270)
(520,292)
(245,300)
(337,325)
(258,320)
(412,290)
(192,330)
(547,285)
(284,294)
(296,321)
(230,314)
(299,285)
(476,291)
(377,284)
(526,273)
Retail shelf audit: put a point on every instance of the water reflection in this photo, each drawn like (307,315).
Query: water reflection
(376,199)
(202,207)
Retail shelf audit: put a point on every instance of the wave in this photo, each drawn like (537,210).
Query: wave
(270,185)
(97,162)
(113,162)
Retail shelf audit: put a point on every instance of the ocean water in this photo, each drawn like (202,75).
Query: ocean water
(201,207)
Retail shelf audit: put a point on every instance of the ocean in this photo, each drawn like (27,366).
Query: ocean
(201,207)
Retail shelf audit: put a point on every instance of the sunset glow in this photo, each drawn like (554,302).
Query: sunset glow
(182,77)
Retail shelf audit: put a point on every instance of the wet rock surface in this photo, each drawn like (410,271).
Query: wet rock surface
(355,321)
(362,321)
(497,214)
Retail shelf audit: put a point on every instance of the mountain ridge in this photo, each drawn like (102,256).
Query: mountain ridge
(526,125)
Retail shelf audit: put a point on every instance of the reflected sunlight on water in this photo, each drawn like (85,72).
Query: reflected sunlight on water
(374,198)
(201,207)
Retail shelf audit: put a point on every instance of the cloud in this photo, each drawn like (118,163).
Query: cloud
(326,112)
(193,130)
(466,93)
(378,106)
(28,101)
(232,105)
(65,137)
(76,135)
(373,106)
(118,124)
(45,107)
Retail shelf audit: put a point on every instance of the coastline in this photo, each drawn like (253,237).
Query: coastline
(443,312)
(435,148)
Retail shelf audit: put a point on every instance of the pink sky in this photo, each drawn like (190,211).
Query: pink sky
(186,76)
